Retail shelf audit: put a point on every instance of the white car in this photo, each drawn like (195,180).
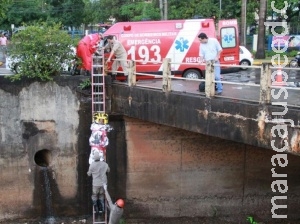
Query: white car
(246,57)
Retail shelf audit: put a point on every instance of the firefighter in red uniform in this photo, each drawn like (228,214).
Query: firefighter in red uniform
(86,47)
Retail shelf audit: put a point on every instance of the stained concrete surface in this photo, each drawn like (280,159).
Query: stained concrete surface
(160,170)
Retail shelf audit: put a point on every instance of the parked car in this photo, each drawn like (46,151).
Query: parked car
(246,57)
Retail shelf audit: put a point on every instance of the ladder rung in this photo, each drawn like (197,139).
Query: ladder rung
(97,74)
(98,84)
(98,102)
(97,66)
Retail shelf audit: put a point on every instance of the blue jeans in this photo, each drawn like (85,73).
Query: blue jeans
(218,76)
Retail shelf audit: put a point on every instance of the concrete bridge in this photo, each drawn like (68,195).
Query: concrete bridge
(174,152)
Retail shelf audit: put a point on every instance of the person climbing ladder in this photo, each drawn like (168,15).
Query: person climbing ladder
(98,170)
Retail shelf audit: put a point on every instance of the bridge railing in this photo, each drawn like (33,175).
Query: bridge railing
(269,87)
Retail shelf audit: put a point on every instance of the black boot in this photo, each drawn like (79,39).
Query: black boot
(96,208)
(101,205)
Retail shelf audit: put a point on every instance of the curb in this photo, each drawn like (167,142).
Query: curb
(261,62)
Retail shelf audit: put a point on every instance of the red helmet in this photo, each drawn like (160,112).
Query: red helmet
(120,203)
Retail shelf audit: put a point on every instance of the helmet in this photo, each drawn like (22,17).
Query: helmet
(120,203)
(97,117)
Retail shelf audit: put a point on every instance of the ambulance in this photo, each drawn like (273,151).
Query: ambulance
(149,42)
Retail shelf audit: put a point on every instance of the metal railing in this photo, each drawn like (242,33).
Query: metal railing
(267,91)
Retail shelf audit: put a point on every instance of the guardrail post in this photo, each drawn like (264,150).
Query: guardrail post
(209,79)
(265,84)
(166,75)
(131,73)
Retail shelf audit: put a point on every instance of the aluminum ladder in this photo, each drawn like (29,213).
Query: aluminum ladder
(100,218)
(98,84)
(98,106)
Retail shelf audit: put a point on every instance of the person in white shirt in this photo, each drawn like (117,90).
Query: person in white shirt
(210,50)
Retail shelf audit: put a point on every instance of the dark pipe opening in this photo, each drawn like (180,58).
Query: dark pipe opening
(43,158)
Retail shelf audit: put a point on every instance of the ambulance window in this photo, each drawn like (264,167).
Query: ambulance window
(228,37)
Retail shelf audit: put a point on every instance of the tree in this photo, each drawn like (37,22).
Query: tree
(288,12)
(190,9)
(72,13)
(243,23)
(140,11)
(260,54)
(67,12)
(19,12)
(3,9)
(40,51)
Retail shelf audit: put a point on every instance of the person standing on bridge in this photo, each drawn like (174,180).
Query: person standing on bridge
(116,209)
(210,50)
(120,53)
(98,170)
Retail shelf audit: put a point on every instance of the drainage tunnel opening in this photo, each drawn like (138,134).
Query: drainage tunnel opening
(43,157)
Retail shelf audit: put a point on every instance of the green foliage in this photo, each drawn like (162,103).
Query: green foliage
(140,11)
(92,14)
(40,51)
(86,84)
(69,12)
(291,11)
(24,12)
(250,219)
(4,5)
(289,54)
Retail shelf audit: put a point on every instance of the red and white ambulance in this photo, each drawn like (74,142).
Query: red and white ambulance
(149,42)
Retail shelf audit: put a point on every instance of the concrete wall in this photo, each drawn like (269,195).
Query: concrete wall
(41,125)
(173,173)
(240,121)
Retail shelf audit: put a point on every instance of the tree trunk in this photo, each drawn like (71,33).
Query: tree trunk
(161,9)
(260,53)
(243,23)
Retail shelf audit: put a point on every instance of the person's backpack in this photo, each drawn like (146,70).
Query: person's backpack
(202,87)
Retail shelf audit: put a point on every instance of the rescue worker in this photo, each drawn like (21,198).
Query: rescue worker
(117,50)
(86,47)
(116,209)
(98,170)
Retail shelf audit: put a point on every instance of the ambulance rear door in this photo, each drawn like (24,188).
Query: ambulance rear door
(228,36)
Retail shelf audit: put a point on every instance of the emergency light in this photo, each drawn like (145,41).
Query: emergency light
(205,24)
(127,28)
